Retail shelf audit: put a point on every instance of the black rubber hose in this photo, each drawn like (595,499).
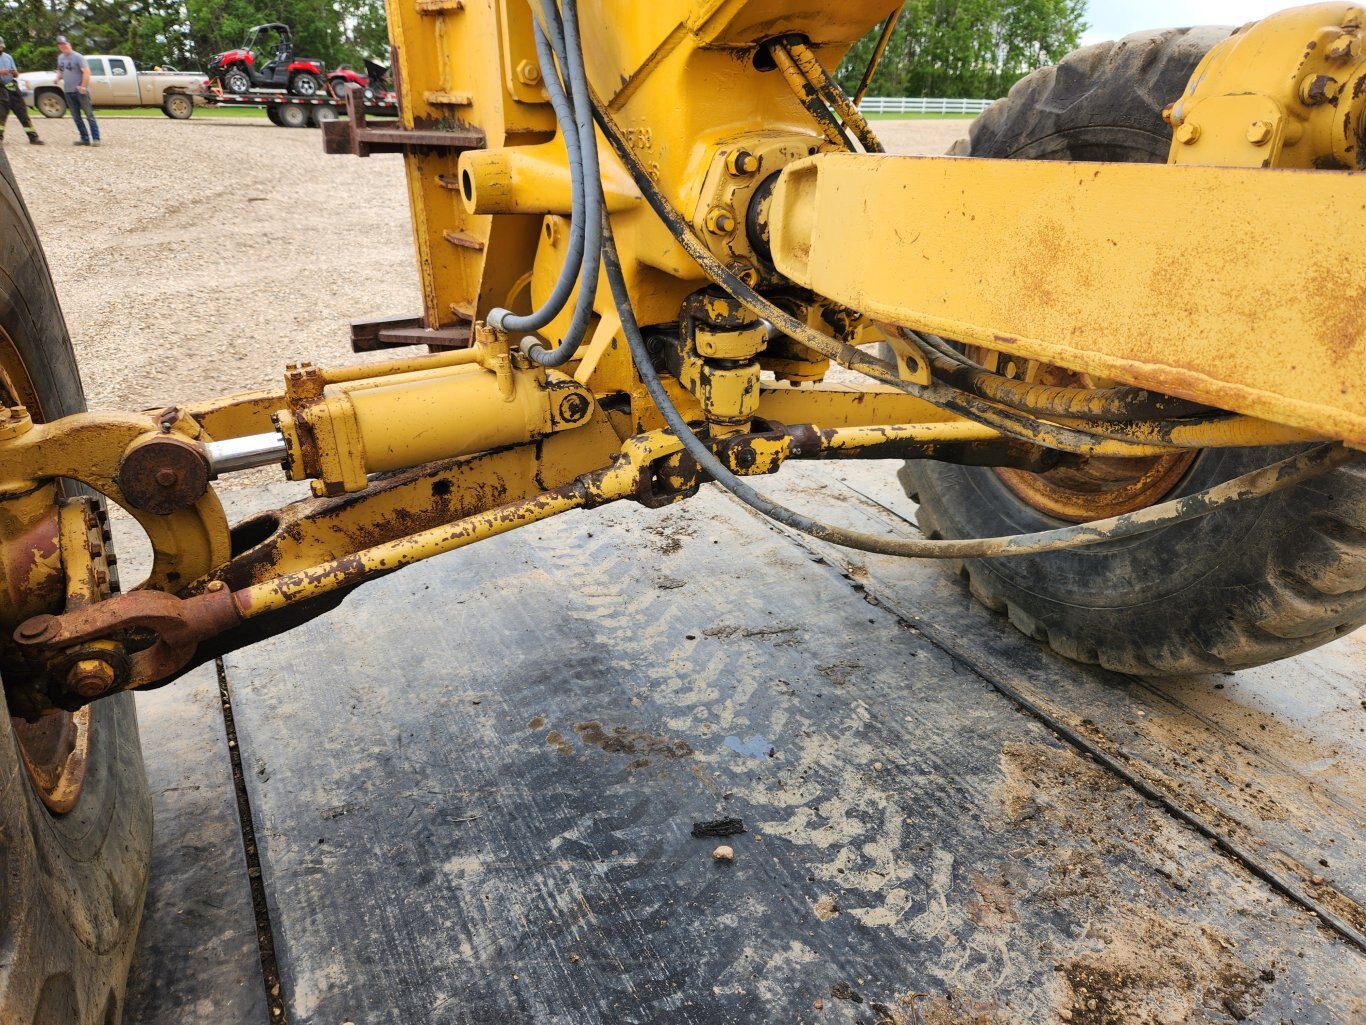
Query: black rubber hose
(506,320)
(1119,404)
(582,101)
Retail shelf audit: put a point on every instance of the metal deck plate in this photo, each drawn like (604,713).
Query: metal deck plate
(473,787)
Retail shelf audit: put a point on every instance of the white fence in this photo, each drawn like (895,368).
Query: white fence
(921,105)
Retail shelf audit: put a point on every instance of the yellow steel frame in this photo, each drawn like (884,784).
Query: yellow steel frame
(1222,292)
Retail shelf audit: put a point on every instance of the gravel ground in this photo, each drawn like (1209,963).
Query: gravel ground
(196,258)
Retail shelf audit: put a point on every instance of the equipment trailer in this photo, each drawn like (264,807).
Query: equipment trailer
(306,111)
(1130,383)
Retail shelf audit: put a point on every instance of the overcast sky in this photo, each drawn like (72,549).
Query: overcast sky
(1110,19)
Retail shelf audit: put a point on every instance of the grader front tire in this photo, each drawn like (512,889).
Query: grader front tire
(1251,584)
(71,884)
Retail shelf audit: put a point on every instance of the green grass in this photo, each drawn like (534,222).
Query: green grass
(199,112)
(260,112)
(919,117)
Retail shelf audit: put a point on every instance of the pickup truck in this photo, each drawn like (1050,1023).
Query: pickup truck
(115,81)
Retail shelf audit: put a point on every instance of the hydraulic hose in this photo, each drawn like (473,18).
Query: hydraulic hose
(581,99)
(506,320)
(1121,403)
(1286,473)
(810,67)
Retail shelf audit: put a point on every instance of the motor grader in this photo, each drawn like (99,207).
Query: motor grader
(1120,362)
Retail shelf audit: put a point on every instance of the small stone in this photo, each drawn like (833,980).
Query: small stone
(818,1003)
(724,853)
(1317,880)
(877,766)
(475,701)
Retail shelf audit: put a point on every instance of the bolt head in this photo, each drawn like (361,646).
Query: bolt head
(528,73)
(1259,133)
(167,477)
(1317,89)
(1344,47)
(1187,133)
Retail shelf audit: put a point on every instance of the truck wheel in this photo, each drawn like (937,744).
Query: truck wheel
(323,114)
(1250,584)
(292,115)
(305,84)
(73,881)
(50,103)
(273,116)
(177,106)
(236,80)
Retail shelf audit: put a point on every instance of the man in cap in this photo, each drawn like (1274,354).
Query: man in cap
(11,99)
(75,75)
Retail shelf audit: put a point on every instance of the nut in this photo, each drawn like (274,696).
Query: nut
(90,677)
(528,73)
(742,163)
(720,221)
(1187,133)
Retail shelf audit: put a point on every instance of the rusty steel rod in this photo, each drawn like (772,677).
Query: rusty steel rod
(885,37)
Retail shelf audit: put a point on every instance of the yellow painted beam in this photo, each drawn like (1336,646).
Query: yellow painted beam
(1222,285)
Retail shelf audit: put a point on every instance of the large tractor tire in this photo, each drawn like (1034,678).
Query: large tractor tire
(1247,585)
(72,882)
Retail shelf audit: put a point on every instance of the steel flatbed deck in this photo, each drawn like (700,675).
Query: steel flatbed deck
(943,821)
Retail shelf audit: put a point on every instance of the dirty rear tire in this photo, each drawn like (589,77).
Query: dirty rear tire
(72,885)
(1248,585)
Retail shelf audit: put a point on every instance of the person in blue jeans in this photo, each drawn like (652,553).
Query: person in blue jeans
(75,75)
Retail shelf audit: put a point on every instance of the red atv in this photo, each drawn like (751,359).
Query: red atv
(238,71)
(375,81)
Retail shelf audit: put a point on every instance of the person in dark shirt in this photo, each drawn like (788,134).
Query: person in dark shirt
(11,99)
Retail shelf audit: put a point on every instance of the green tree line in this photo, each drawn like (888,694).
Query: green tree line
(185,33)
(974,49)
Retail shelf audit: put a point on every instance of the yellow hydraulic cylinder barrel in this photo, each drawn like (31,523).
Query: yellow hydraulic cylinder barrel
(338,434)
(405,423)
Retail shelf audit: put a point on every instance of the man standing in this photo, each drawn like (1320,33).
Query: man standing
(75,74)
(11,99)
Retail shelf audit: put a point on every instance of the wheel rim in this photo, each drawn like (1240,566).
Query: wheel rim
(179,105)
(1099,487)
(56,749)
(50,106)
(306,85)
(237,82)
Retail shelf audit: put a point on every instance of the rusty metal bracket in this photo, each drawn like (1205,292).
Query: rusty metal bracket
(376,333)
(357,137)
(176,624)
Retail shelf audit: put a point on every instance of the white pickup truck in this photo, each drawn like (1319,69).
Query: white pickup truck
(115,81)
